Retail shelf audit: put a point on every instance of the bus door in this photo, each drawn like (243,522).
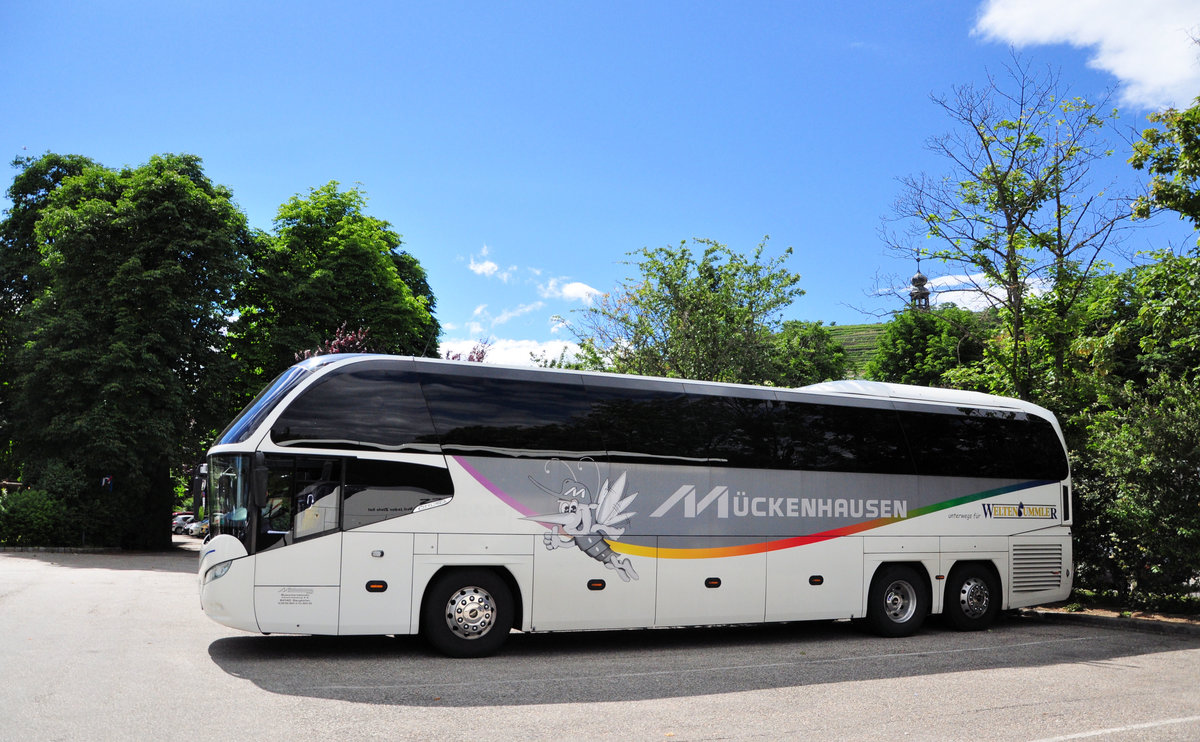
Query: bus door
(298,546)
(377,559)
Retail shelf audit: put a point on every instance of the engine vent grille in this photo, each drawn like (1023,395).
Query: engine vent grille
(1037,567)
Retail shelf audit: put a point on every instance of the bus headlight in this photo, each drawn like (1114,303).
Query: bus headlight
(217,571)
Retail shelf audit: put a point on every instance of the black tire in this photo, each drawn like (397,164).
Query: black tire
(467,613)
(897,602)
(972,598)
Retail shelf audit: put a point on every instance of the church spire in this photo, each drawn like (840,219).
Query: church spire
(919,293)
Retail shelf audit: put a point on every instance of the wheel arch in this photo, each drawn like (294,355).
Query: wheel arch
(499,570)
(922,571)
(961,564)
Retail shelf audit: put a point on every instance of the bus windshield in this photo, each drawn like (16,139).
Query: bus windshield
(251,417)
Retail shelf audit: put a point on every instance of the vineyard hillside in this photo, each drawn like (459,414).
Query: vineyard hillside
(859,342)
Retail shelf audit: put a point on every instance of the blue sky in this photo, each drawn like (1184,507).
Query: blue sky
(524,149)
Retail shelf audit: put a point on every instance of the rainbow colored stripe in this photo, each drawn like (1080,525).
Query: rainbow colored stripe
(760,547)
(794,541)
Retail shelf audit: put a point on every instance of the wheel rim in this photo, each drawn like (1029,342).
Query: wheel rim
(974,598)
(900,601)
(471,612)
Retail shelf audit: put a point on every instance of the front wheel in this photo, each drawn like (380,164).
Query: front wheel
(897,601)
(972,598)
(467,613)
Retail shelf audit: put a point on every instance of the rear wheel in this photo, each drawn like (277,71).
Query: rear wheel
(972,598)
(897,601)
(467,613)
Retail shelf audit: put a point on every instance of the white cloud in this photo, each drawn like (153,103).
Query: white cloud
(571,291)
(481,319)
(966,291)
(970,291)
(508,314)
(480,266)
(578,291)
(972,299)
(483,267)
(508,352)
(1149,46)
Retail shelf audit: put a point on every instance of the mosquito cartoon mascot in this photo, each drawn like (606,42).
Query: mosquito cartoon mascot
(587,524)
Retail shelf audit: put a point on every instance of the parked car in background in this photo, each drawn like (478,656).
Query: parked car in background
(198,528)
(181,522)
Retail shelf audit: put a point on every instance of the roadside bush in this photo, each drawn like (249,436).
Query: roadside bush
(32,518)
(1084,598)
(1138,494)
(1171,603)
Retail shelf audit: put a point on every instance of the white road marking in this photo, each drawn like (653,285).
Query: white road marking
(1118,730)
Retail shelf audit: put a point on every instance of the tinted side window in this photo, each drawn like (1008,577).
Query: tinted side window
(303,499)
(365,406)
(514,416)
(985,443)
(737,431)
(378,490)
(825,437)
(638,422)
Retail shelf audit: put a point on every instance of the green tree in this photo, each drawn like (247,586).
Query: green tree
(922,347)
(1146,321)
(20,254)
(708,316)
(20,269)
(329,264)
(412,273)
(1017,214)
(805,353)
(1170,153)
(118,377)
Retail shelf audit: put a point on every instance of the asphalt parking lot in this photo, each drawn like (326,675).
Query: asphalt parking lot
(114,646)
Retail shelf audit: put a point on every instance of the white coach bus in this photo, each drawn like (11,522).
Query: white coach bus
(365,494)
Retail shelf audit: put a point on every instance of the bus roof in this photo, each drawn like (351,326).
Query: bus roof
(856,388)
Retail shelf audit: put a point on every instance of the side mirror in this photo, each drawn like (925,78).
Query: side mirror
(258,480)
(199,483)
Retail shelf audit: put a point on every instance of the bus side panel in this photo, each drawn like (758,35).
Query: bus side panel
(989,507)
(837,565)
(296,587)
(562,599)
(376,583)
(921,552)
(429,559)
(698,592)
(1041,569)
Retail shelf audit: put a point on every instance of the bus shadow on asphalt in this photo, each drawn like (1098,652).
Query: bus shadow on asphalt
(607,666)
